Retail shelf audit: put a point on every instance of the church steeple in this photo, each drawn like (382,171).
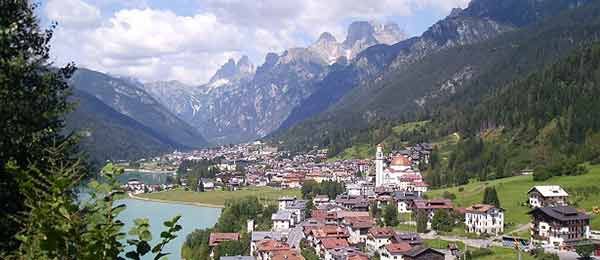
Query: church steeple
(379,161)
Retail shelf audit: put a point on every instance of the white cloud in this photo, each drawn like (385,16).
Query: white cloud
(154,44)
(72,13)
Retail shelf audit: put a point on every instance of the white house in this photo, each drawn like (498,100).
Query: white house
(378,238)
(560,226)
(282,220)
(549,195)
(484,219)
(395,251)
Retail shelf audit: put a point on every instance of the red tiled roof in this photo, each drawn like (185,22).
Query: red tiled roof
(331,243)
(330,232)
(479,208)
(358,257)
(319,214)
(286,255)
(380,232)
(397,248)
(216,238)
(269,245)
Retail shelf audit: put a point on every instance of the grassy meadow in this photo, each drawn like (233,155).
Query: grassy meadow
(513,194)
(218,198)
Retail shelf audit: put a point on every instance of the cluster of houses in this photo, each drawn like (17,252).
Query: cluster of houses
(339,229)
(136,186)
(342,228)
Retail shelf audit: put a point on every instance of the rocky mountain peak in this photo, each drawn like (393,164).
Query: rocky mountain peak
(455,12)
(360,32)
(327,48)
(233,70)
(363,34)
(326,37)
(389,33)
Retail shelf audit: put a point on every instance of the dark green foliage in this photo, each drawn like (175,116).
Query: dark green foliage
(310,189)
(233,248)
(236,213)
(310,206)
(307,251)
(565,167)
(490,197)
(233,218)
(34,99)
(195,170)
(59,227)
(422,220)
(585,249)
(196,245)
(443,221)
(390,215)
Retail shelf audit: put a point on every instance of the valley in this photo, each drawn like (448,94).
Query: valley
(300,130)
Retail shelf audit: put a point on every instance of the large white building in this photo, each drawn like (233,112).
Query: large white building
(484,219)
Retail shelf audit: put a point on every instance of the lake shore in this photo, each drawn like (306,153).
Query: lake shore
(198,204)
(146,171)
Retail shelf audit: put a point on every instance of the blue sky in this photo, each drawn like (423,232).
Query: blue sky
(188,40)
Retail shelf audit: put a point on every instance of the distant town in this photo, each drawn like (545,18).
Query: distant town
(384,210)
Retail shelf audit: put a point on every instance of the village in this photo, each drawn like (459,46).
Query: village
(351,225)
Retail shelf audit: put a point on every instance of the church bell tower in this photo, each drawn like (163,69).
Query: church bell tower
(379,161)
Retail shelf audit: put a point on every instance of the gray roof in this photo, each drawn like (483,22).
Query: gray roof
(261,235)
(298,204)
(281,215)
(562,213)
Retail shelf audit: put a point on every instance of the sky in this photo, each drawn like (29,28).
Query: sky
(188,40)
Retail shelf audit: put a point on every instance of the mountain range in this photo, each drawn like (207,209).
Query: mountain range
(333,90)
(455,62)
(118,119)
(242,102)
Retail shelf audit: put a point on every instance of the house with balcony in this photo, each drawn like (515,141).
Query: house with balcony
(547,196)
(560,226)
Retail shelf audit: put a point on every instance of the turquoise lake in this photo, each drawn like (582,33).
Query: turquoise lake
(192,217)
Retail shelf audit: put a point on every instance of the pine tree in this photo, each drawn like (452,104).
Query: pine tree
(33,98)
(490,197)
(390,215)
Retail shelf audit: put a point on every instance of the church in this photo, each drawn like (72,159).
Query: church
(397,173)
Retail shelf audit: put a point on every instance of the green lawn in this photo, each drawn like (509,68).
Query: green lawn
(502,253)
(265,194)
(442,244)
(513,194)
(498,253)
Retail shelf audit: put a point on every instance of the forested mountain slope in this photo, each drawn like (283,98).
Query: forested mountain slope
(130,99)
(109,135)
(447,80)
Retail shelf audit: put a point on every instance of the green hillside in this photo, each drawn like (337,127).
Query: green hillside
(415,93)
(584,194)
